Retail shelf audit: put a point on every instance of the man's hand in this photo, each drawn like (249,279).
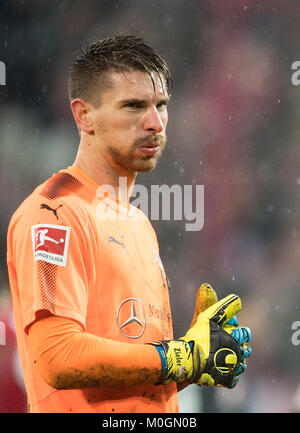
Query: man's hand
(208,354)
(205,298)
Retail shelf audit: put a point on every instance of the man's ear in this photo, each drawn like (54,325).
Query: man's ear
(81,112)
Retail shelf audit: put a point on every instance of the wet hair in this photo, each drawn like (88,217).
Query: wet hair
(89,72)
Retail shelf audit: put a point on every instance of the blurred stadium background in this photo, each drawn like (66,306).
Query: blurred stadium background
(234,127)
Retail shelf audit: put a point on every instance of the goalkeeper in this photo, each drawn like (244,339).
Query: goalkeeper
(90,294)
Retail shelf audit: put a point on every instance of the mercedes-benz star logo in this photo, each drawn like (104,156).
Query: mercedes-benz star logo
(131,312)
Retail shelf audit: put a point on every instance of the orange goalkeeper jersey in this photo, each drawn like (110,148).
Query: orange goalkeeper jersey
(76,251)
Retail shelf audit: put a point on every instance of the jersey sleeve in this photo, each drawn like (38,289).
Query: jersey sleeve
(48,259)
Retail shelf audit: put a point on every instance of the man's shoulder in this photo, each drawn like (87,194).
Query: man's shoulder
(58,198)
(61,184)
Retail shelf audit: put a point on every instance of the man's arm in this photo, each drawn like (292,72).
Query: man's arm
(57,342)
(69,358)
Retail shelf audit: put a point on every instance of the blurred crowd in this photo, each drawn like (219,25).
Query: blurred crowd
(233,127)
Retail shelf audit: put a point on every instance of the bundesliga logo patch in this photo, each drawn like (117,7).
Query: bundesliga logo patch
(50,243)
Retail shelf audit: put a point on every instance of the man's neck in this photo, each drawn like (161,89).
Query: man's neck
(103,173)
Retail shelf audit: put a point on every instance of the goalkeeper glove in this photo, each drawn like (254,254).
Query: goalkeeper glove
(207,354)
(206,296)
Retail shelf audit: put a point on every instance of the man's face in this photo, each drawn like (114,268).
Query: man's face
(130,123)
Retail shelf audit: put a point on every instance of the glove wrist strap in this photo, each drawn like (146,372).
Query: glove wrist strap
(164,363)
(176,360)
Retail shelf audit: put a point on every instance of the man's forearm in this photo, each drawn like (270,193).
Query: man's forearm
(68,358)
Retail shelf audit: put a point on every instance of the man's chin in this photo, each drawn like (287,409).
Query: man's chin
(138,165)
(146,164)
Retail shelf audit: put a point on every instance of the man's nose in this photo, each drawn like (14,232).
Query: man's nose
(153,121)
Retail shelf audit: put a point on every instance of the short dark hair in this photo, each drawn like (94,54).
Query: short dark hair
(122,53)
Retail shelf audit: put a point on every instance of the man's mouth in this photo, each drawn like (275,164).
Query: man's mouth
(150,148)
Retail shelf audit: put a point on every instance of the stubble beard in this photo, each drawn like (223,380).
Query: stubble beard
(130,163)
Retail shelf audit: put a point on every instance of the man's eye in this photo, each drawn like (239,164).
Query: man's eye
(134,105)
(161,105)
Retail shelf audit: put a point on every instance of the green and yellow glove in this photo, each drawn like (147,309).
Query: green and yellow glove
(207,354)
